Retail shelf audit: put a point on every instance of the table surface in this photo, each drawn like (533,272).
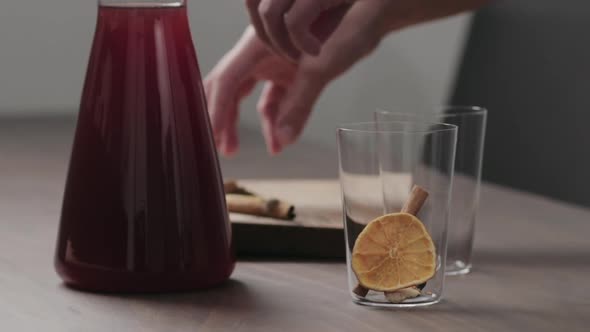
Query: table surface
(531,271)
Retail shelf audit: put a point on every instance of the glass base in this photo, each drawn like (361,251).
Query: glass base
(421,301)
(457,268)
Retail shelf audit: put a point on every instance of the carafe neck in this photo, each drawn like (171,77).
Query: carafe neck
(142,3)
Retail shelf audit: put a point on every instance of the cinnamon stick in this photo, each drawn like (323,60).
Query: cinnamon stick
(415,202)
(412,206)
(232,187)
(258,206)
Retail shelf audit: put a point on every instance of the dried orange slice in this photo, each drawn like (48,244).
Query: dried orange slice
(393,252)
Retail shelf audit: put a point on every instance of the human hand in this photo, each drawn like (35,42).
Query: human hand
(291,89)
(295,27)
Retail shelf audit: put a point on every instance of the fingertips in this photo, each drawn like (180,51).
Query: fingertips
(223,100)
(207,87)
(268,107)
(230,134)
(272,144)
(286,134)
(295,110)
(218,108)
(230,145)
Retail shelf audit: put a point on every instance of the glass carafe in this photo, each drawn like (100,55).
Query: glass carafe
(144,208)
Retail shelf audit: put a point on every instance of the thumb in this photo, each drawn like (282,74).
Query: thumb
(296,108)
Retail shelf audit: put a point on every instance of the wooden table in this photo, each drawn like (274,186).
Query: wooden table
(532,272)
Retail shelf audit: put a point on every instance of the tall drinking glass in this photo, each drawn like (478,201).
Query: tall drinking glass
(379,165)
(471,122)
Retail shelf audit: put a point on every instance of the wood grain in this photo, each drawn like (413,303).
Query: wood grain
(532,266)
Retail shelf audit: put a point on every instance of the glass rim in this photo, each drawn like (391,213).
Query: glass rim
(440,127)
(454,110)
(141,4)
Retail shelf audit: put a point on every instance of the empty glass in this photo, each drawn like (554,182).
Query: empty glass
(471,122)
(379,165)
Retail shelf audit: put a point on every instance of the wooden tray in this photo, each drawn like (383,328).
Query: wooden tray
(317,231)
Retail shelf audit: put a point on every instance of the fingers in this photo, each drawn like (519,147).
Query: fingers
(228,141)
(296,107)
(223,115)
(324,26)
(310,27)
(223,104)
(219,105)
(272,13)
(252,6)
(227,84)
(298,22)
(268,107)
(286,25)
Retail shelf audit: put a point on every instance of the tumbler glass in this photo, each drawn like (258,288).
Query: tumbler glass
(379,165)
(471,121)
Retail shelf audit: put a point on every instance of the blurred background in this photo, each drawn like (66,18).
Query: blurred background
(45,47)
(527,61)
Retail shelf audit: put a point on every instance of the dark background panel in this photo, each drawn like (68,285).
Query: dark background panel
(529,63)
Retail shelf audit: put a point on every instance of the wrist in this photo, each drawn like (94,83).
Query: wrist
(395,15)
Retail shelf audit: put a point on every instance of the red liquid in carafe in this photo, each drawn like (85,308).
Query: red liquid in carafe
(144,208)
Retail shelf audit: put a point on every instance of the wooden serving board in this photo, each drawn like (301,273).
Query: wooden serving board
(316,232)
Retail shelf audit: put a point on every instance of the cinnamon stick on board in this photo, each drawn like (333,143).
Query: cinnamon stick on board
(232,187)
(412,206)
(259,206)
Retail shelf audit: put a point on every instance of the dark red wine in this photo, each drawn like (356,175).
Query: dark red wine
(144,207)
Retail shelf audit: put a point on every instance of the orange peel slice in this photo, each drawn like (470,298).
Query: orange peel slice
(393,252)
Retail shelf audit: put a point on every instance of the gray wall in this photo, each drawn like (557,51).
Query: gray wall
(44,47)
(528,63)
